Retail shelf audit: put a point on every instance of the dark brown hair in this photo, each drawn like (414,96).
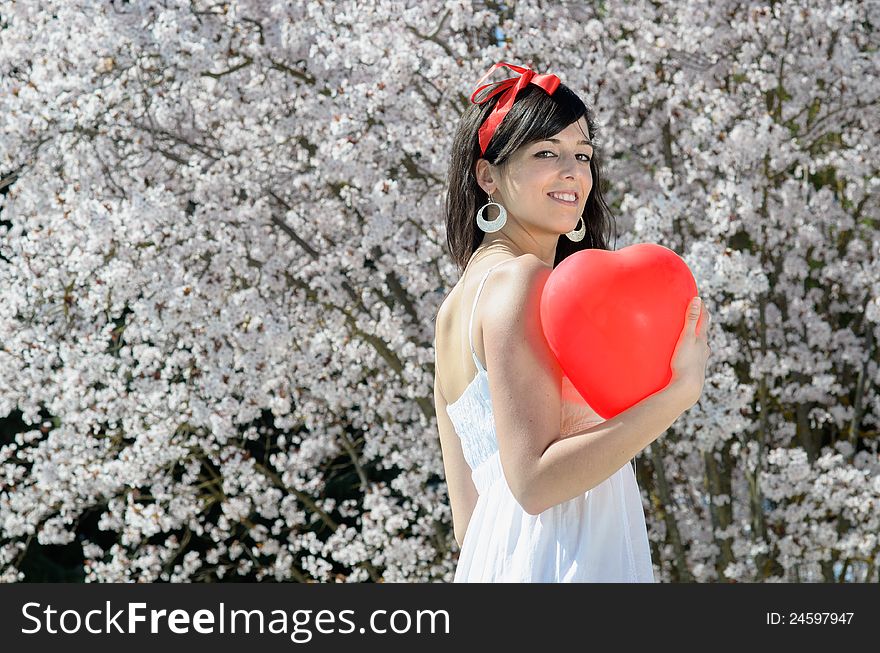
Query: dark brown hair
(534,116)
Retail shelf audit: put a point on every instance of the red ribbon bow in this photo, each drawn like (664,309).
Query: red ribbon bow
(511,86)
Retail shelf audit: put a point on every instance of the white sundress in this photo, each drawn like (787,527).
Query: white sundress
(599,536)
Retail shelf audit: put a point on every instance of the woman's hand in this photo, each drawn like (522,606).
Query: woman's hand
(690,355)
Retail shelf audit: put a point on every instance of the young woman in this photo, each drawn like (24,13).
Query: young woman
(541,488)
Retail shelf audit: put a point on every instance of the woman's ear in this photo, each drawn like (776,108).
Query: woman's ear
(485,176)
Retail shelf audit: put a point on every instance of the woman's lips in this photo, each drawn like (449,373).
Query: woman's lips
(556,199)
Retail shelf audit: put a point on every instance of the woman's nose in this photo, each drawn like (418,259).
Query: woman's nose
(569,167)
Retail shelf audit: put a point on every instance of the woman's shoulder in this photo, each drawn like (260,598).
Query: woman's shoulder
(516,279)
(511,273)
(512,302)
(522,263)
(506,279)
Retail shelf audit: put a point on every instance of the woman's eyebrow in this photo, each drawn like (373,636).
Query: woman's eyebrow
(556,140)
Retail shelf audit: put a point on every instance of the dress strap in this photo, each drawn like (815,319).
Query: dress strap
(473,310)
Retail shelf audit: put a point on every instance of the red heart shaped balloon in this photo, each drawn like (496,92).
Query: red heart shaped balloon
(613,318)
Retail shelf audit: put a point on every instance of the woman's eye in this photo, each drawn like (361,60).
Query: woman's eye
(549,152)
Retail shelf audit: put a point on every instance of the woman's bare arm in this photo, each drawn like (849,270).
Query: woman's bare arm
(542,468)
(572,465)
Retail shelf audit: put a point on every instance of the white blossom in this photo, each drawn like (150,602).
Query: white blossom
(222,251)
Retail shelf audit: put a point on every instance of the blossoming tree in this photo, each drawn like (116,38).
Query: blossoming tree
(223,250)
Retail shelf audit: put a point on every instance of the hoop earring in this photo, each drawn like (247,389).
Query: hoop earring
(578,234)
(493,225)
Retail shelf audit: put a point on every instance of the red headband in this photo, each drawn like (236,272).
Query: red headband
(513,85)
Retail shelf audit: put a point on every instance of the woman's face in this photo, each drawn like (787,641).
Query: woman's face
(537,169)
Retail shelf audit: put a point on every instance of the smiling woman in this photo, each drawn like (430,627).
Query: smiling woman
(529,153)
(541,488)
